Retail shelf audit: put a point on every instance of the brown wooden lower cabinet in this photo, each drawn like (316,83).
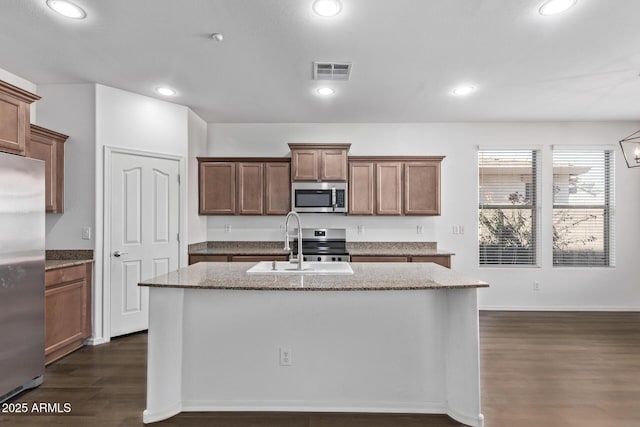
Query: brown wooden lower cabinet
(443,260)
(236,258)
(67,310)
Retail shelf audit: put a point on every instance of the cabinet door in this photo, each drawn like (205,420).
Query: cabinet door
(67,310)
(250,188)
(304,165)
(422,188)
(14,124)
(389,188)
(49,149)
(277,188)
(217,188)
(333,165)
(361,188)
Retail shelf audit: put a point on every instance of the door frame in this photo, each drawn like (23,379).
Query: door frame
(109,151)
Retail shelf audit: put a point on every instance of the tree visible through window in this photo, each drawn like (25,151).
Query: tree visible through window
(507,220)
(582,204)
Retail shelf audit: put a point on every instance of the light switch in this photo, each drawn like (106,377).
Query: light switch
(86,233)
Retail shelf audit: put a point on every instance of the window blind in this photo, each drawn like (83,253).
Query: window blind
(507,214)
(583,202)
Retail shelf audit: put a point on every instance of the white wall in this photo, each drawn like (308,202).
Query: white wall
(70,109)
(511,288)
(125,119)
(196,224)
(22,84)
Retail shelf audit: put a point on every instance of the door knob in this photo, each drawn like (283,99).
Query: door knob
(117,254)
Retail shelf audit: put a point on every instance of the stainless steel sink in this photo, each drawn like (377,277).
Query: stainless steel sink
(285,267)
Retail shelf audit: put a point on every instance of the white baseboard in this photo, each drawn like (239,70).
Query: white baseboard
(295,406)
(96,341)
(558,308)
(155,416)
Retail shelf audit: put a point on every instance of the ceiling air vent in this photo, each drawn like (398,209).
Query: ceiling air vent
(331,71)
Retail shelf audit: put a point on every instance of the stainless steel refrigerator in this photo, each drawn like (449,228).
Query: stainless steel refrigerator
(22,231)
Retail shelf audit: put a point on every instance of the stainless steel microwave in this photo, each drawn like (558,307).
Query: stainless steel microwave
(328,197)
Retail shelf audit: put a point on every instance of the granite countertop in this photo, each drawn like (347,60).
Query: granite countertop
(52,264)
(60,258)
(366,277)
(354,248)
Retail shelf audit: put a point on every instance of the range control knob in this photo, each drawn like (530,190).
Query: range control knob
(319,259)
(333,258)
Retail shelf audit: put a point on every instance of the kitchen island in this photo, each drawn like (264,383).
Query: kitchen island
(392,337)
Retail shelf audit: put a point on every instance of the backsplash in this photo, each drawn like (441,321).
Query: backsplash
(358,228)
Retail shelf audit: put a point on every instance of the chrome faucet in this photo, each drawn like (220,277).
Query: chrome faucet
(286,237)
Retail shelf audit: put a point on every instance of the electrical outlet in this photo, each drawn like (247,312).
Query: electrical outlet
(454,229)
(227,228)
(285,356)
(419,229)
(536,285)
(461,229)
(360,229)
(86,233)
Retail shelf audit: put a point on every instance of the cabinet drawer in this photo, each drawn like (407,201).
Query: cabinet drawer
(365,258)
(258,258)
(64,275)
(207,258)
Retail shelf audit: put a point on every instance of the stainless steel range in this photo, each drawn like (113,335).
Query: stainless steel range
(323,244)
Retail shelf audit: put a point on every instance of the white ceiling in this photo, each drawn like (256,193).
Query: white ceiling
(407,55)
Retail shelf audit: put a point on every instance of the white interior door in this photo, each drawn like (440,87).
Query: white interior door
(144,243)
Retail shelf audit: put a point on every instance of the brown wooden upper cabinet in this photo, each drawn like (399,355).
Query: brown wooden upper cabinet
(250,188)
(47,145)
(361,188)
(319,162)
(217,182)
(422,188)
(244,186)
(14,118)
(394,185)
(277,188)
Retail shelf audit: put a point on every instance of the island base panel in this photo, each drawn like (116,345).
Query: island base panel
(355,351)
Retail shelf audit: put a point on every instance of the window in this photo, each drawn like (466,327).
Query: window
(507,217)
(582,208)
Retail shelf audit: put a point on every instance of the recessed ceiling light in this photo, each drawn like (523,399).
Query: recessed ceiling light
(327,8)
(553,7)
(326,91)
(463,90)
(166,91)
(66,8)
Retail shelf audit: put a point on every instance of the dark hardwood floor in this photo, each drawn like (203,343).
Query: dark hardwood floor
(538,369)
